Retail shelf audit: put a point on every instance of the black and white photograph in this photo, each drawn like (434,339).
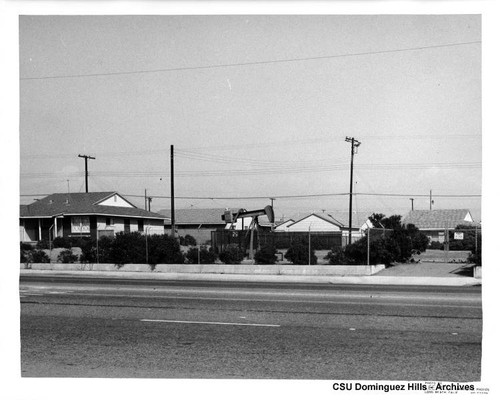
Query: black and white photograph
(258,201)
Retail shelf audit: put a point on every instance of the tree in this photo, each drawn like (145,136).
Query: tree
(164,249)
(266,255)
(128,248)
(207,256)
(299,251)
(232,254)
(398,243)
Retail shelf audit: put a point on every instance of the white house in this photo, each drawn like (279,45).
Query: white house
(92,215)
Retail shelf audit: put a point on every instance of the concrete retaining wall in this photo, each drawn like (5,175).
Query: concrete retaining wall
(304,270)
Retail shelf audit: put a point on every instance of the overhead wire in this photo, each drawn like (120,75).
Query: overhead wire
(249,63)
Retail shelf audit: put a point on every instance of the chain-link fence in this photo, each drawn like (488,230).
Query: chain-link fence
(280,240)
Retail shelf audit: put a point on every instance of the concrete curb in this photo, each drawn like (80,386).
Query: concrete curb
(350,280)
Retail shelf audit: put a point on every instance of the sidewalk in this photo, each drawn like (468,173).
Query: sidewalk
(411,274)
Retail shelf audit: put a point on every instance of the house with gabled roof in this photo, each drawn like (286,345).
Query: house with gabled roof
(326,222)
(283,225)
(201,222)
(93,215)
(196,222)
(434,223)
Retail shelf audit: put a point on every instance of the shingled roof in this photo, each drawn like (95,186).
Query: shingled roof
(193,216)
(439,219)
(81,204)
(339,218)
(203,216)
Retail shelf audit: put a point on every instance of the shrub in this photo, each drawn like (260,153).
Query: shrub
(231,255)
(128,248)
(26,246)
(207,256)
(266,255)
(476,257)
(43,244)
(338,257)
(80,241)
(67,257)
(164,249)
(38,256)
(436,245)
(91,247)
(60,242)
(298,253)
(187,240)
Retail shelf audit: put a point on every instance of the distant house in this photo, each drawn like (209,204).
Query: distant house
(434,223)
(201,222)
(197,222)
(84,215)
(325,222)
(283,225)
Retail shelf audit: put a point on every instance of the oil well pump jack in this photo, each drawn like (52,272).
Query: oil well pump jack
(231,218)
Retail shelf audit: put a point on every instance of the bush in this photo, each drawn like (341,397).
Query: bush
(43,244)
(37,256)
(298,253)
(187,240)
(91,247)
(436,246)
(67,257)
(338,257)
(231,255)
(266,255)
(80,241)
(164,249)
(60,242)
(128,248)
(207,256)
(26,246)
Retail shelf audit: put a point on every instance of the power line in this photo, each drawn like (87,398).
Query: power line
(287,142)
(269,170)
(292,196)
(241,64)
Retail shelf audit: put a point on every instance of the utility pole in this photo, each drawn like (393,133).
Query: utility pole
(86,171)
(146,199)
(172,202)
(272,206)
(354,145)
(411,199)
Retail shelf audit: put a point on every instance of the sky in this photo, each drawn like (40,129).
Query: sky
(255,107)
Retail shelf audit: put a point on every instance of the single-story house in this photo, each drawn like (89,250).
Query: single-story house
(196,222)
(201,222)
(282,226)
(92,215)
(434,223)
(325,222)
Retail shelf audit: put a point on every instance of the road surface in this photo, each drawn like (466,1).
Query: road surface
(106,328)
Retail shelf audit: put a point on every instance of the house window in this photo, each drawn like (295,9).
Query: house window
(80,225)
(126,227)
(140,225)
(109,221)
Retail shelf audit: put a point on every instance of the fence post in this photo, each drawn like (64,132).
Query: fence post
(368,250)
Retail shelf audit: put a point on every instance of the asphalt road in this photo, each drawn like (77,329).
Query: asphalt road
(104,328)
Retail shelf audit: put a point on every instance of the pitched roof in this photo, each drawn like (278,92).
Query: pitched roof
(437,219)
(81,203)
(203,216)
(196,216)
(340,218)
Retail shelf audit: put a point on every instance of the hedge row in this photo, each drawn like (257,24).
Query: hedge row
(135,248)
